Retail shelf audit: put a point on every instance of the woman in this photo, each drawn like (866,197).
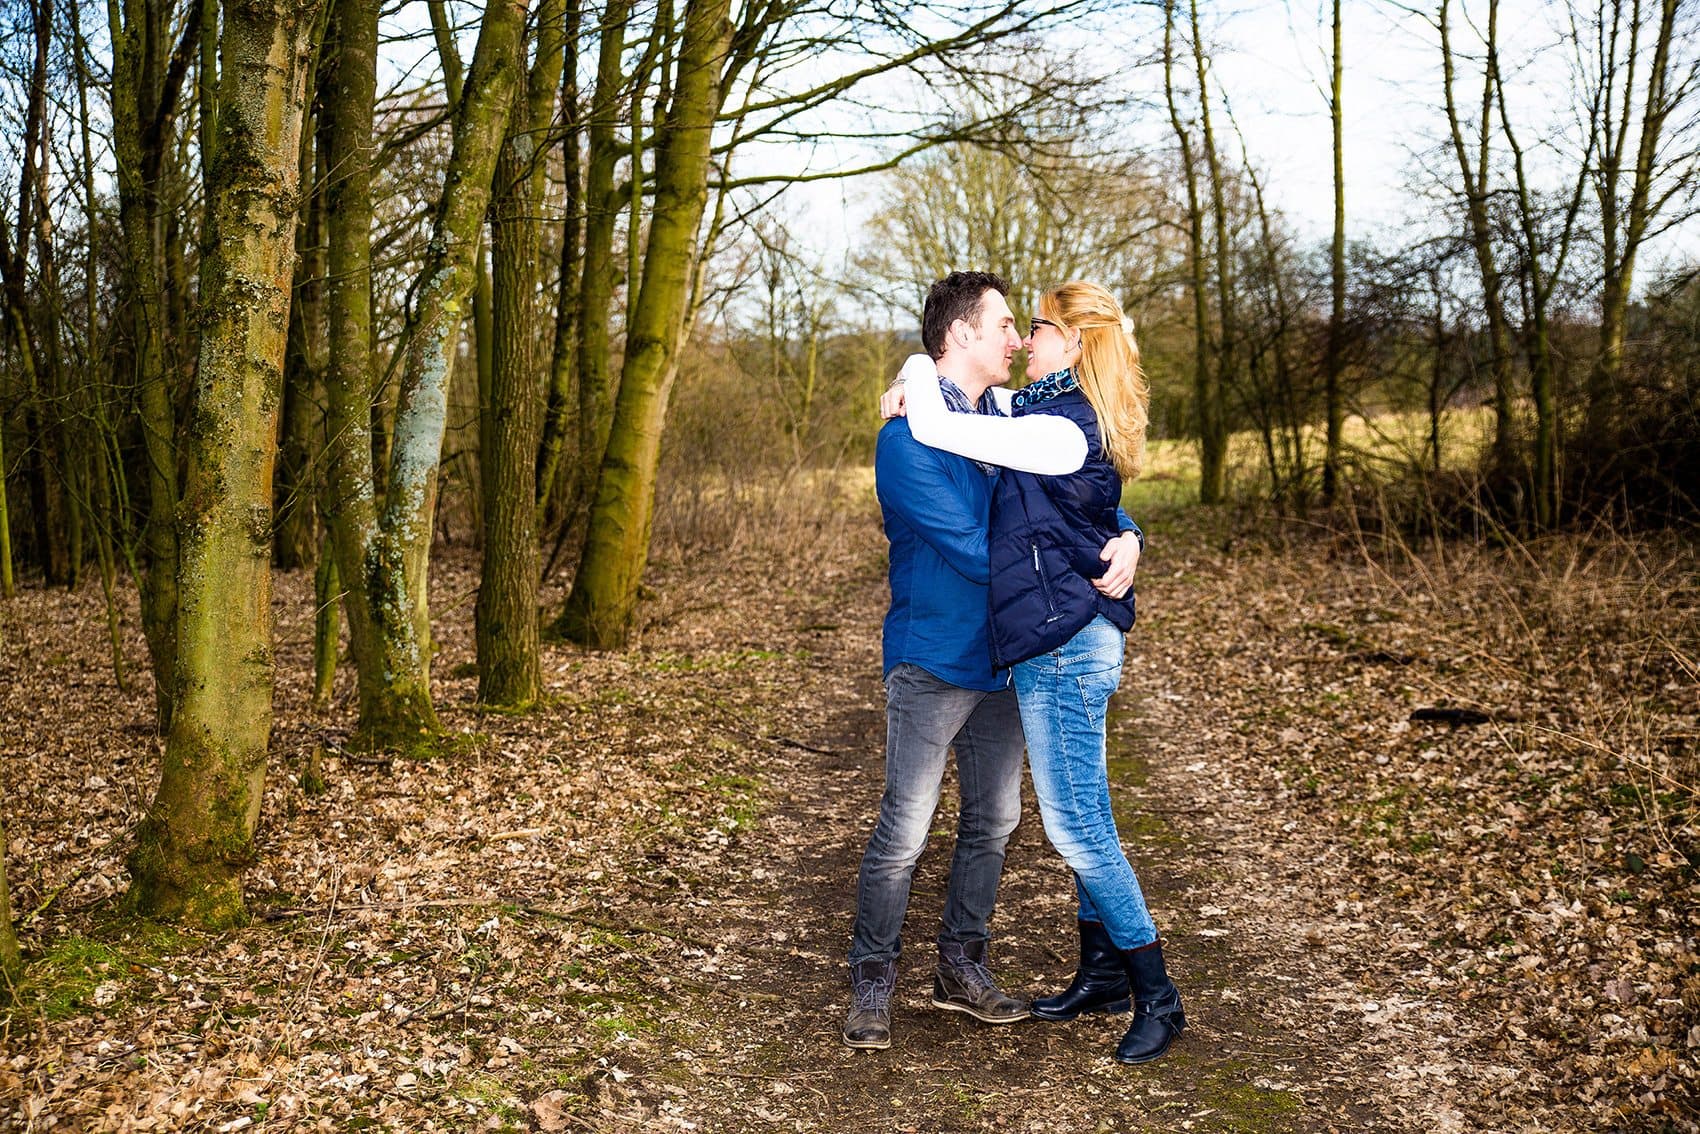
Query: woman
(1063,639)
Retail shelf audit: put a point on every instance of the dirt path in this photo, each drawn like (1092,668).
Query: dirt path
(1280,1037)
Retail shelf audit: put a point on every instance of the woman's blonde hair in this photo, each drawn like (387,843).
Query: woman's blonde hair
(1109,371)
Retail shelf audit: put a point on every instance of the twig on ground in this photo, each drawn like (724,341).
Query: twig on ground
(54,897)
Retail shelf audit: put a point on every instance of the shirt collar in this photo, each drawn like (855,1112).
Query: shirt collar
(957,401)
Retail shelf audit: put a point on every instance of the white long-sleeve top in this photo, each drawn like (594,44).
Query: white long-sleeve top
(1042,443)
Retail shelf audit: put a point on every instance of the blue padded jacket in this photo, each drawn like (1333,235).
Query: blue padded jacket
(1044,543)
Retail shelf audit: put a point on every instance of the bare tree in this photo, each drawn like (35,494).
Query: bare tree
(1213,466)
(1548,230)
(1053,206)
(1473,176)
(1640,189)
(1208,411)
(1334,364)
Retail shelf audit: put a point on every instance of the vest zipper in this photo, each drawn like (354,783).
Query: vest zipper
(1044,584)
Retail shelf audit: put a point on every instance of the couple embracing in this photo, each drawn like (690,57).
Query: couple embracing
(1011,590)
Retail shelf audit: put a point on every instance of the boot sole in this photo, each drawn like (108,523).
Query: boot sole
(867,1045)
(980,1016)
(1154,1056)
(1113,1008)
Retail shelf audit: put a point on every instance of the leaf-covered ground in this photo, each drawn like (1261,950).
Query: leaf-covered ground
(629,910)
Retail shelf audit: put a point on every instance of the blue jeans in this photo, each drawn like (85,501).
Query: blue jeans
(1064,695)
(924,718)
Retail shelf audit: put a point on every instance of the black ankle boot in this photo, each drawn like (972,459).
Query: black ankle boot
(1099,985)
(1157,1013)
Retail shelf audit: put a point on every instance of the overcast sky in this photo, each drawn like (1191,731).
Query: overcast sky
(1271,59)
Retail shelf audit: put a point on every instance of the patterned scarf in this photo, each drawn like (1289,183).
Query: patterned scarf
(1056,383)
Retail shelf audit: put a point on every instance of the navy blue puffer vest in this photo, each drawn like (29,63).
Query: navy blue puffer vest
(1046,533)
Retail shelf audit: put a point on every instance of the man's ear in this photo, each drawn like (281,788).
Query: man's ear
(959,333)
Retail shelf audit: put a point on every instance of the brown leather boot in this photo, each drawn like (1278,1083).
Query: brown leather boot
(868,1024)
(964,984)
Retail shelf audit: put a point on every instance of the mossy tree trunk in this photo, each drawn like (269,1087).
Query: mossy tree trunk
(510,422)
(11,958)
(383,552)
(599,610)
(347,86)
(581,392)
(198,833)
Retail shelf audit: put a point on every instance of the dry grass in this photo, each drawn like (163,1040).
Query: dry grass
(1607,621)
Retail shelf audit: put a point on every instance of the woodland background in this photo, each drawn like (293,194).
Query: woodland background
(435,332)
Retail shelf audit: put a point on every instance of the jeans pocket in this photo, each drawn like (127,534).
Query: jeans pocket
(1096,688)
(896,682)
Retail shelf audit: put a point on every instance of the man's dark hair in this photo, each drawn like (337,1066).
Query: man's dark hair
(959,295)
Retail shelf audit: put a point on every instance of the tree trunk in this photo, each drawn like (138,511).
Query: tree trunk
(1213,467)
(347,85)
(563,360)
(145,89)
(483,295)
(1333,396)
(104,517)
(1204,393)
(598,272)
(599,609)
(11,958)
(396,570)
(510,423)
(1625,230)
(1480,231)
(295,509)
(325,626)
(7,586)
(198,834)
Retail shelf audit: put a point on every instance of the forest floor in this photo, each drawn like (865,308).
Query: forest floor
(629,909)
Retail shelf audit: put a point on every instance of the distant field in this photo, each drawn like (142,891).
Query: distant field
(1379,445)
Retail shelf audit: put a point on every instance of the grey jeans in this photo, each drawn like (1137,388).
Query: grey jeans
(925,718)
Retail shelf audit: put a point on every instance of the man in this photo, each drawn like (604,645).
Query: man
(941,690)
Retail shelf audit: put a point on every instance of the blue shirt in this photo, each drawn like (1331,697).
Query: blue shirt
(935,506)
